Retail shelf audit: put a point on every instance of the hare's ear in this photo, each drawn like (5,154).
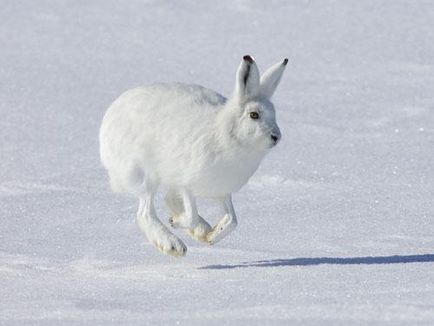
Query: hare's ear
(271,78)
(247,82)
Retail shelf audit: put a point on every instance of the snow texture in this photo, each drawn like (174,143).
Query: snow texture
(335,228)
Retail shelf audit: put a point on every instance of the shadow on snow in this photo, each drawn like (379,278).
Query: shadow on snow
(331,261)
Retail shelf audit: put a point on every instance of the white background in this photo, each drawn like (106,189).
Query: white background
(335,228)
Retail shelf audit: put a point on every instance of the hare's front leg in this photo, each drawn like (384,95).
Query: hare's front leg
(188,217)
(156,232)
(182,206)
(226,224)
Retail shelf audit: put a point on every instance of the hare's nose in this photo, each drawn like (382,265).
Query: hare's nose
(275,138)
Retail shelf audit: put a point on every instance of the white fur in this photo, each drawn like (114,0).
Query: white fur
(193,141)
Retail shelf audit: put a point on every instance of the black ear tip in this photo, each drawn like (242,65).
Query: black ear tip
(285,61)
(248,58)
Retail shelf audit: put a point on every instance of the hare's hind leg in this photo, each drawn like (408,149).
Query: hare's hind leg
(156,232)
(182,206)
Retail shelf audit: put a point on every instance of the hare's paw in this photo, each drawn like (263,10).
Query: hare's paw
(221,229)
(165,241)
(200,232)
(170,245)
(183,222)
(177,221)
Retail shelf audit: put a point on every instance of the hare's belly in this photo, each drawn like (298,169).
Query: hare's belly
(221,180)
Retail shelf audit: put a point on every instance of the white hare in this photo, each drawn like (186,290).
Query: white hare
(195,143)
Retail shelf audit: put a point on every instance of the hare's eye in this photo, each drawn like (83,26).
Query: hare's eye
(254,115)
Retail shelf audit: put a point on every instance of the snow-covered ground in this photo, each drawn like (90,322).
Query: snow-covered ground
(336,227)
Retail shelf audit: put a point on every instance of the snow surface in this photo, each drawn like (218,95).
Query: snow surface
(336,227)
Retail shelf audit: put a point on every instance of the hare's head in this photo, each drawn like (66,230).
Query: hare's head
(256,120)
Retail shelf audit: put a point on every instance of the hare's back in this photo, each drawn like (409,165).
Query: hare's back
(156,103)
(167,109)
